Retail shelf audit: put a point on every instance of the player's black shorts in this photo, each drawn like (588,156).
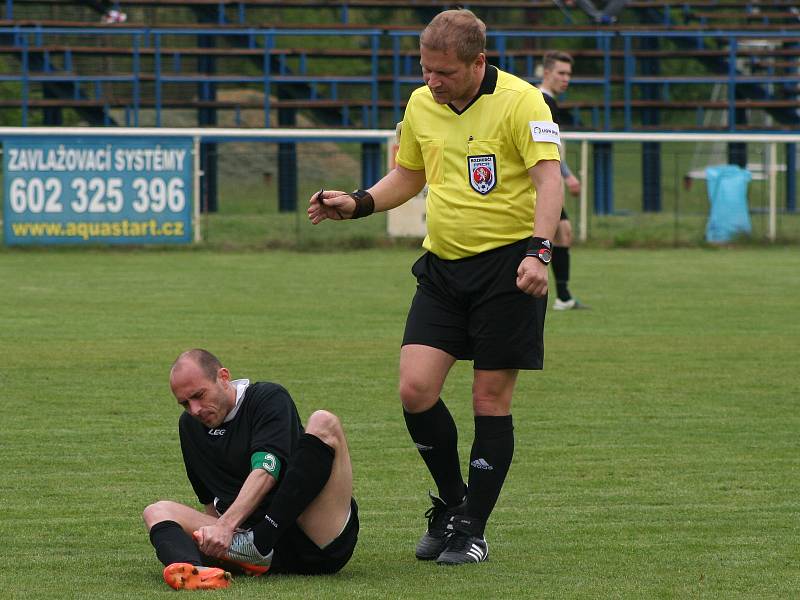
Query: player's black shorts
(564,216)
(296,554)
(472,309)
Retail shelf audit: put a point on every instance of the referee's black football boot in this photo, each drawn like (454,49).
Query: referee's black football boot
(432,543)
(465,543)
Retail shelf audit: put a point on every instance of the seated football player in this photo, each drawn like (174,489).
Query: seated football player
(276,497)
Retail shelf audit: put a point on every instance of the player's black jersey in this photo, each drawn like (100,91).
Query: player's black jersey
(553,106)
(218,460)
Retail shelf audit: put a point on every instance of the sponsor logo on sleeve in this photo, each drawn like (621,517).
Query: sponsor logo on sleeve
(545,131)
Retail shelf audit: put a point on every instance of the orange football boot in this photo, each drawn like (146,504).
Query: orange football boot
(183,576)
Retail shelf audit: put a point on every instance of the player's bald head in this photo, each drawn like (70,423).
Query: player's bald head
(208,364)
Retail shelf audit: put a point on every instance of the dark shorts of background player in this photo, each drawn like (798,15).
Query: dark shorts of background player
(564,216)
(472,309)
(296,554)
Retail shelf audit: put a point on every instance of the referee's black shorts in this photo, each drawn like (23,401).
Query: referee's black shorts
(472,309)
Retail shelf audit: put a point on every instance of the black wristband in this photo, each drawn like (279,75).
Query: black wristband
(540,248)
(365,204)
(535,244)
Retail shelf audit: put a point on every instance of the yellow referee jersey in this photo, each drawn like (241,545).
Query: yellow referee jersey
(476,163)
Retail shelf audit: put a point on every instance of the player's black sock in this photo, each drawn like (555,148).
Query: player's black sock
(309,471)
(173,544)
(435,434)
(489,461)
(561,271)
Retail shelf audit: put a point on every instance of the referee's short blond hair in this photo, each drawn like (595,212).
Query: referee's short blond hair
(458,30)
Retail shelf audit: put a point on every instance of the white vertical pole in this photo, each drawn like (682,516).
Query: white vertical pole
(583,218)
(390,142)
(773,191)
(196,194)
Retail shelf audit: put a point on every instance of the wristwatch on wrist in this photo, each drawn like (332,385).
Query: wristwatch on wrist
(540,248)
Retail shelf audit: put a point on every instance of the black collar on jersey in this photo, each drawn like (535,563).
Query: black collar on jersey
(487,87)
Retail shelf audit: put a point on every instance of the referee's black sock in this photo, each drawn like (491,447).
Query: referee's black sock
(561,271)
(174,545)
(436,437)
(489,461)
(308,472)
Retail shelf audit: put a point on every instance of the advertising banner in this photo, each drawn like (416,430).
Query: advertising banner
(97,190)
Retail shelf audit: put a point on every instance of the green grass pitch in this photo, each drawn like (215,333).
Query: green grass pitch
(657,454)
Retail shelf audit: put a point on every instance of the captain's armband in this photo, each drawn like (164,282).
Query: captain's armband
(267,461)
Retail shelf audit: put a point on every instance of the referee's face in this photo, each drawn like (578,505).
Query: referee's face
(450,80)
(207,400)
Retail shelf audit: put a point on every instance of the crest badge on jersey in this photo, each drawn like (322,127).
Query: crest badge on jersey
(482,172)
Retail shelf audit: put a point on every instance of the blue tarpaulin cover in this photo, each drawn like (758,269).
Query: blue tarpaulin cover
(727,192)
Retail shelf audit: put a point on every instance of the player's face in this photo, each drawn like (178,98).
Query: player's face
(450,80)
(557,78)
(209,401)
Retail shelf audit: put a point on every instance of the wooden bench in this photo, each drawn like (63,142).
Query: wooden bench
(729,16)
(189,103)
(309,4)
(149,101)
(249,11)
(706,3)
(383,53)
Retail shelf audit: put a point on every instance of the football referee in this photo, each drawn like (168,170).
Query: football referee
(485,143)
(276,497)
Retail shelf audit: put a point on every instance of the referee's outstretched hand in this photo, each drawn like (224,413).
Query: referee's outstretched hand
(330,204)
(532,276)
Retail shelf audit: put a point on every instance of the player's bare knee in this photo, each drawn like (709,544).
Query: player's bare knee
(156,512)
(563,235)
(326,426)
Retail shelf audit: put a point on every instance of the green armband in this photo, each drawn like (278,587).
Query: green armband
(267,461)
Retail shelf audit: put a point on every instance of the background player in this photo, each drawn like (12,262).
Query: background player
(556,75)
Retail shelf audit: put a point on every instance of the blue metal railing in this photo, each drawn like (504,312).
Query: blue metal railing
(499,42)
(150,50)
(152,41)
(731,79)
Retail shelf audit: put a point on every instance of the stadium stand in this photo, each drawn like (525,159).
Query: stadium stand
(696,65)
(168,50)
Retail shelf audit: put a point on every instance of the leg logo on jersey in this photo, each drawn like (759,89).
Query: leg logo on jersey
(482,172)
